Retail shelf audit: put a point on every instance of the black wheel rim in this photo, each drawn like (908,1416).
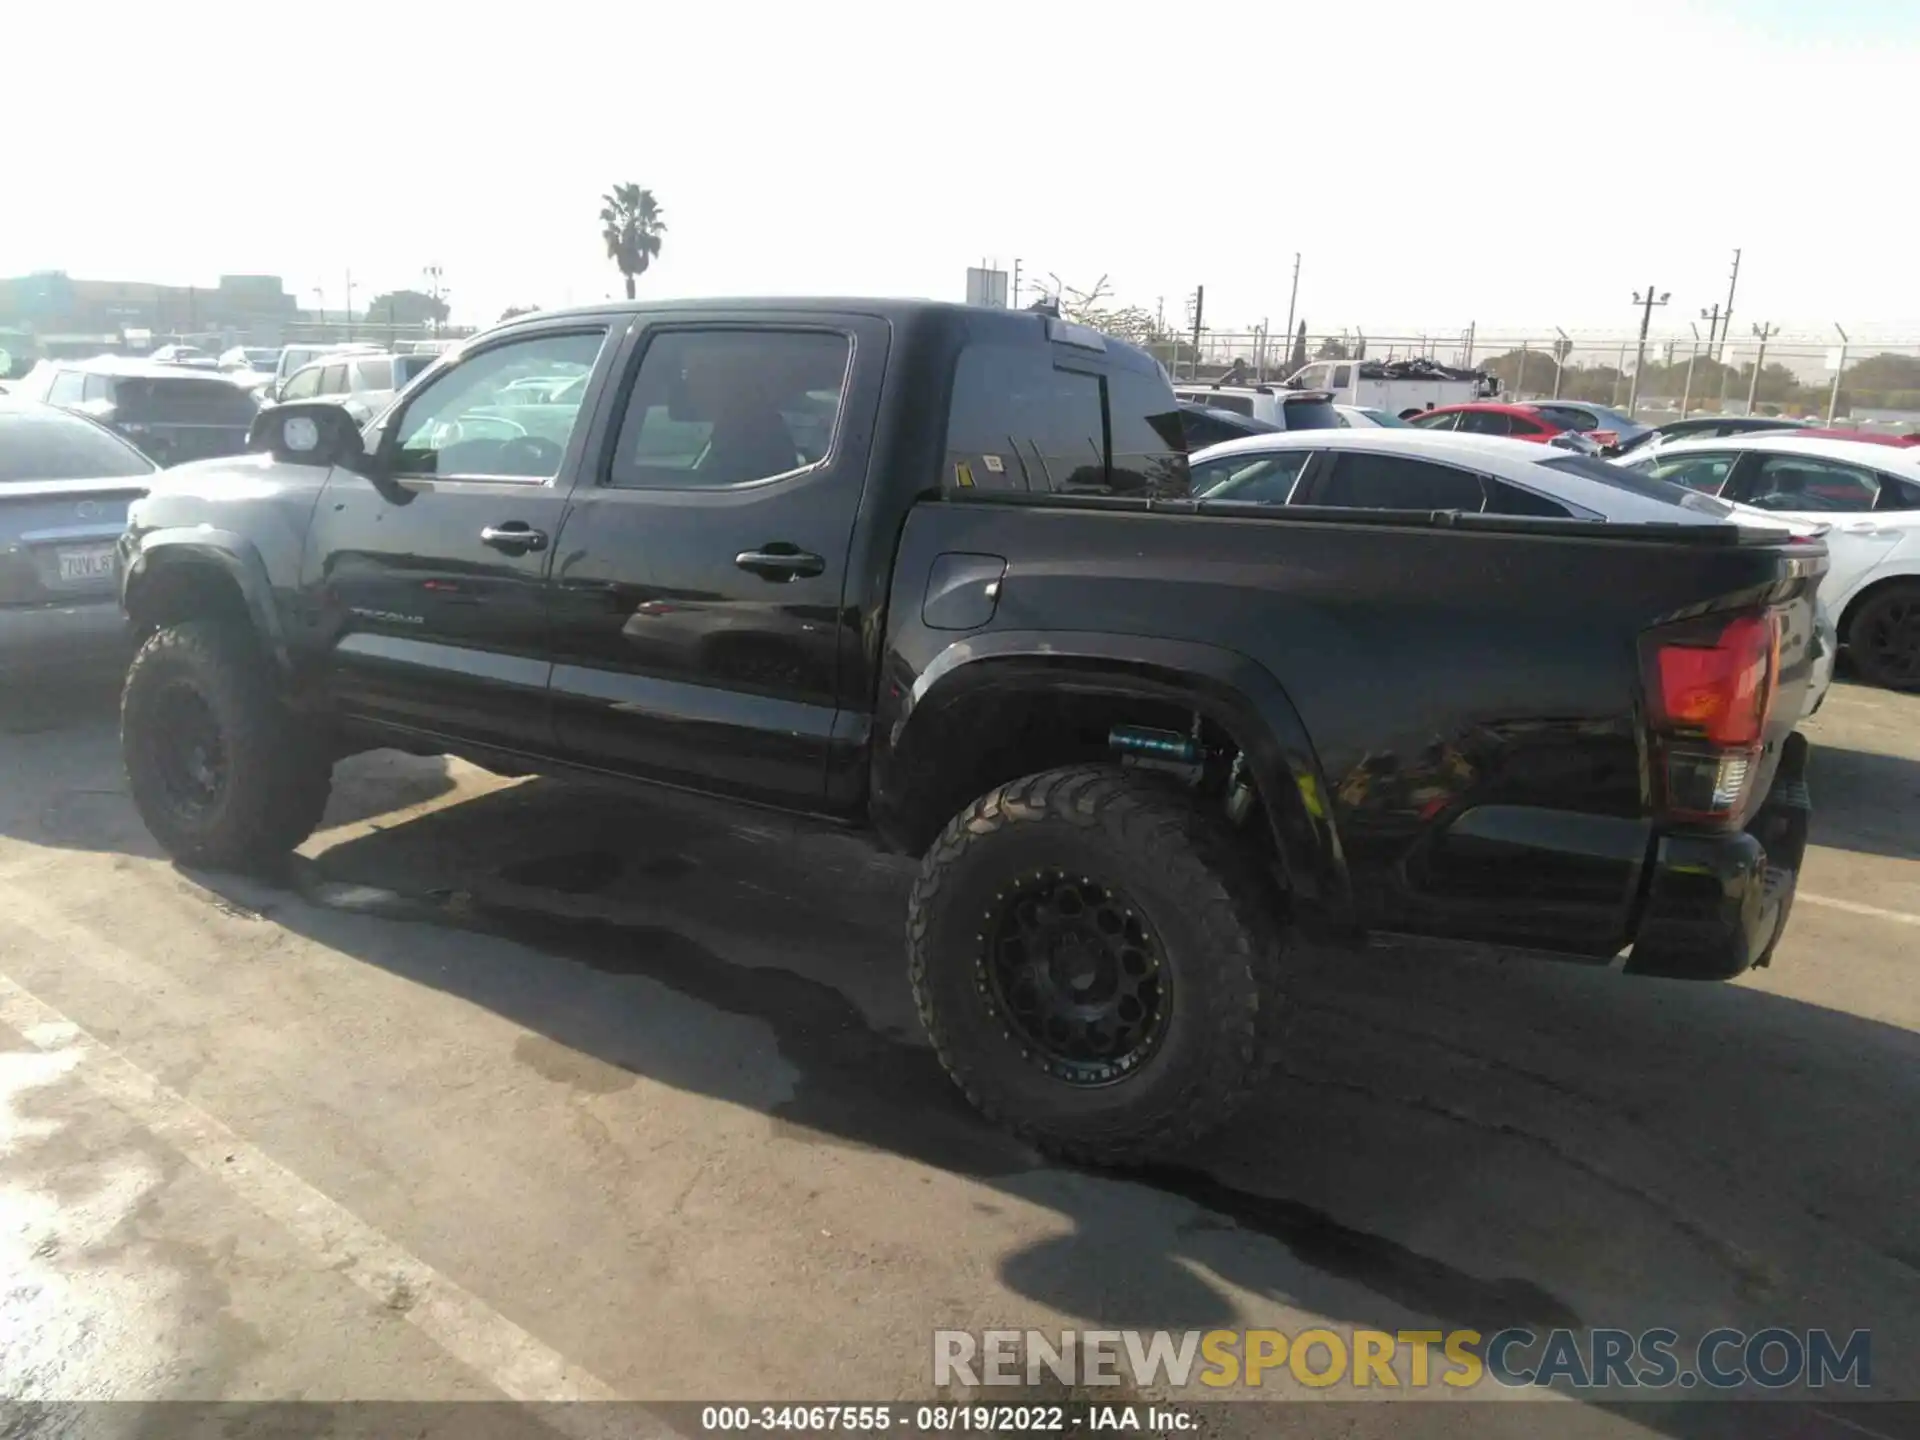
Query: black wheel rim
(188,752)
(1893,639)
(1076,976)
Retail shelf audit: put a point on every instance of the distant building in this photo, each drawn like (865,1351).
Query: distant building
(62,312)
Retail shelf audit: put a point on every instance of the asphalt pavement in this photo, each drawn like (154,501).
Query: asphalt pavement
(512,1088)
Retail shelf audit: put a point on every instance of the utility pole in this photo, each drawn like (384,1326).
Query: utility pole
(1293,296)
(1560,353)
(1765,332)
(1260,353)
(432,275)
(1726,315)
(1712,317)
(1472,326)
(1646,303)
(1016,282)
(1839,368)
(320,294)
(1199,311)
(349,309)
(1686,394)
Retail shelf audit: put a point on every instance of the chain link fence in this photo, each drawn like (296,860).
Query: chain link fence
(1879,380)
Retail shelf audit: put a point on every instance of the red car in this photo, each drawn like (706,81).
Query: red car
(1522,422)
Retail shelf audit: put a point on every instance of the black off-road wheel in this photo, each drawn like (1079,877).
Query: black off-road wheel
(1097,963)
(223,774)
(1884,638)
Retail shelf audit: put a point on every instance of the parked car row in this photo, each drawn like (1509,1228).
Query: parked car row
(181,404)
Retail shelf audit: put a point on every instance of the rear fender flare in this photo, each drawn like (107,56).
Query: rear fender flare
(230,553)
(1224,686)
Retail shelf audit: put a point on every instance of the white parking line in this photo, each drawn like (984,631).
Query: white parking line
(333,1237)
(1898,917)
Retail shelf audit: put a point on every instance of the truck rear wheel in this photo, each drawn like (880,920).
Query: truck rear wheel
(221,772)
(1096,963)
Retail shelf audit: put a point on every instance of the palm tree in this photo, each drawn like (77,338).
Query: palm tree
(632,227)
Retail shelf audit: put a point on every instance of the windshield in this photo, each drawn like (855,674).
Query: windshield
(1637,481)
(53,445)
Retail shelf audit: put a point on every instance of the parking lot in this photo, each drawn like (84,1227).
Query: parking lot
(514,1088)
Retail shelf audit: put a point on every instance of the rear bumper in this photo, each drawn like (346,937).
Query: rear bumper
(62,637)
(1717,904)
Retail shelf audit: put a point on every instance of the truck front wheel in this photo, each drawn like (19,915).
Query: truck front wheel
(1096,963)
(221,772)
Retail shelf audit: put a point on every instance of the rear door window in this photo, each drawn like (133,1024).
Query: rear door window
(1571,417)
(333,380)
(1436,420)
(716,408)
(1264,479)
(1800,482)
(1485,422)
(69,387)
(1359,480)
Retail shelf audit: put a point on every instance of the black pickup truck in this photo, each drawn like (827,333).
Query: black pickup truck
(936,572)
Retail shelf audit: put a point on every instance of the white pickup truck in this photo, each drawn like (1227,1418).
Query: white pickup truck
(1392,386)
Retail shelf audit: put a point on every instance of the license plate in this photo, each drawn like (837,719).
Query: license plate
(94,563)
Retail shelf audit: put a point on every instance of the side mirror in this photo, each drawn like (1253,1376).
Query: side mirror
(309,432)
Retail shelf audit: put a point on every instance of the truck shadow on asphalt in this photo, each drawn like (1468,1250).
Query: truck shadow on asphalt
(1865,801)
(1485,1143)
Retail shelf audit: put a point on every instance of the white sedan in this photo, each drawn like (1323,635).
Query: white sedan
(1869,498)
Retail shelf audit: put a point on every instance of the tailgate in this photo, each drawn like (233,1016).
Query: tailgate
(57,540)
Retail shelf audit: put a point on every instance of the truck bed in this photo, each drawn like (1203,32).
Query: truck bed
(1469,687)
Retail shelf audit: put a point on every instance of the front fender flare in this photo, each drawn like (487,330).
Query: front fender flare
(144,554)
(1224,686)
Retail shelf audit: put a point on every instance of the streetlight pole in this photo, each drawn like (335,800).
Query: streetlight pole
(348,314)
(432,274)
(1686,393)
(1765,332)
(1560,359)
(320,294)
(1726,315)
(1646,303)
(1293,296)
(1839,368)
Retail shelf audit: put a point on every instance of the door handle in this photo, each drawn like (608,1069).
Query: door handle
(780,562)
(515,537)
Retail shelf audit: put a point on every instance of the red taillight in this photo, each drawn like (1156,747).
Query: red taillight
(1723,691)
(1710,690)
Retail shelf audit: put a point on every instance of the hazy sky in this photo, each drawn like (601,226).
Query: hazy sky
(1518,165)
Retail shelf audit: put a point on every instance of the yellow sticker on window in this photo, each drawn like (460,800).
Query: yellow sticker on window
(963,474)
